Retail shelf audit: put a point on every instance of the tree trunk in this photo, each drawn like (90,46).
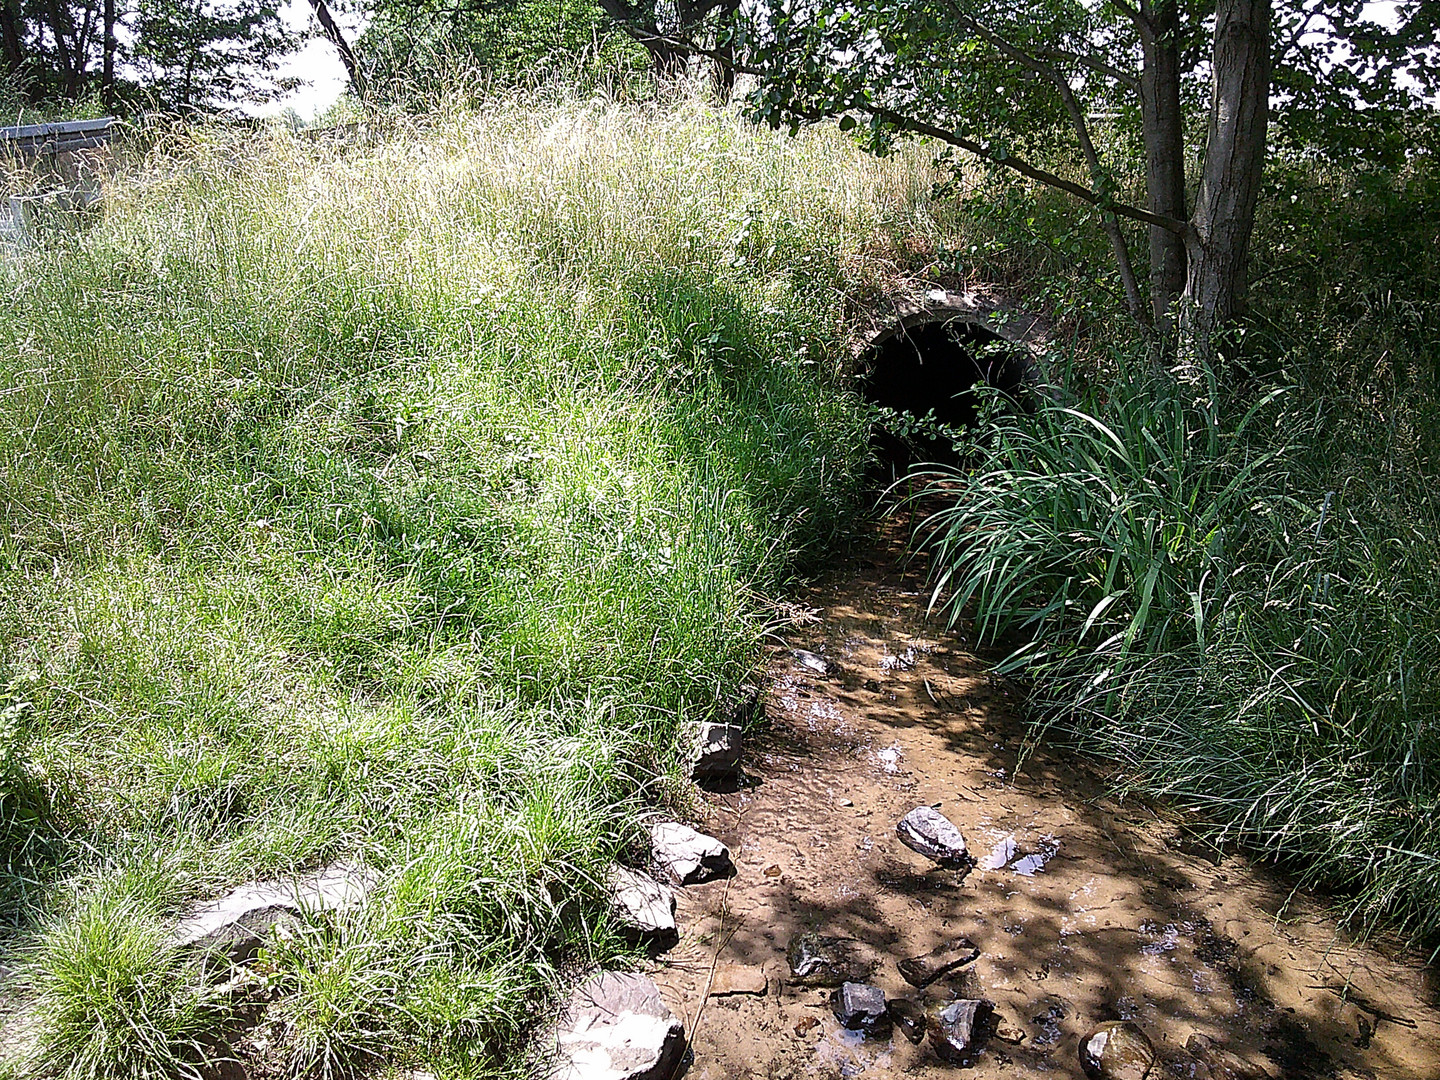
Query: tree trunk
(665,58)
(10,45)
(724,55)
(1163,124)
(63,32)
(333,34)
(107,65)
(1218,243)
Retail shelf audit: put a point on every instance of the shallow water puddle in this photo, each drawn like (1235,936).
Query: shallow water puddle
(1084,909)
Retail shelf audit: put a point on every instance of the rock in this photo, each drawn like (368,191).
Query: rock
(738,979)
(615,1027)
(1008,1033)
(1214,1062)
(644,907)
(240,922)
(959,1028)
(825,961)
(860,1007)
(1117,1050)
(908,1017)
(921,971)
(689,857)
(812,662)
(935,836)
(717,753)
(336,888)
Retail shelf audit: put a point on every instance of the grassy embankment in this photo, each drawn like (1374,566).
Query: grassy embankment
(401,505)
(1230,587)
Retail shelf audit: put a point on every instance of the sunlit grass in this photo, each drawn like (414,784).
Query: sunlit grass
(400,503)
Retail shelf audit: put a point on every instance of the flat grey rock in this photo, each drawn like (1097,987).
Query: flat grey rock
(717,753)
(688,857)
(860,1007)
(935,836)
(616,1027)
(812,662)
(644,907)
(242,920)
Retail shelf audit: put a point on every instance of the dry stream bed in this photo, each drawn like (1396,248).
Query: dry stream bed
(1084,909)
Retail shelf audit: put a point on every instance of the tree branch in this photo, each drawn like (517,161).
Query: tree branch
(1024,168)
(332,32)
(1134,14)
(1094,63)
(1057,78)
(1303,24)
(901,122)
(644,32)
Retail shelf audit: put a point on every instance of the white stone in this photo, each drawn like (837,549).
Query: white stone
(812,662)
(689,857)
(935,836)
(617,1028)
(239,922)
(643,905)
(717,755)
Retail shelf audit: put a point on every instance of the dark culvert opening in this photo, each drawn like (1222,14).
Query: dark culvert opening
(934,368)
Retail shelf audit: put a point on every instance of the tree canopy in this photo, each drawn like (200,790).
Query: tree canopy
(1190,91)
(174,54)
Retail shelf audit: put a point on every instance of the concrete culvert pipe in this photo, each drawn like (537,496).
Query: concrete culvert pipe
(931,364)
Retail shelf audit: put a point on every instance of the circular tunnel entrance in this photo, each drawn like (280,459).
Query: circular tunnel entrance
(932,369)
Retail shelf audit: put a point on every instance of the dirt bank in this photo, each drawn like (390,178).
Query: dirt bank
(1101,910)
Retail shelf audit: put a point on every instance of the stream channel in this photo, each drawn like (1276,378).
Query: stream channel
(1084,908)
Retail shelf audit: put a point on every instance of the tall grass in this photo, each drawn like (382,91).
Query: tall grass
(1231,602)
(399,504)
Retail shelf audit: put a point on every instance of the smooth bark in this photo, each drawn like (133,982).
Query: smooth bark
(1218,240)
(1163,125)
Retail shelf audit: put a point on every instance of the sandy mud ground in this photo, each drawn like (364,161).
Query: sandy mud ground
(1084,909)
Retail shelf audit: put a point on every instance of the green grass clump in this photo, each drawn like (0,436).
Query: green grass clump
(1226,596)
(399,504)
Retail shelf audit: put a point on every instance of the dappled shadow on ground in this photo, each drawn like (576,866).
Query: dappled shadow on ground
(1123,916)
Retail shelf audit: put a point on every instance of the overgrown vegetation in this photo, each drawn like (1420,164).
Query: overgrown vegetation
(400,504)
(1231,589)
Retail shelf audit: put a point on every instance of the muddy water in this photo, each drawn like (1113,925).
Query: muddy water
(1085,909)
